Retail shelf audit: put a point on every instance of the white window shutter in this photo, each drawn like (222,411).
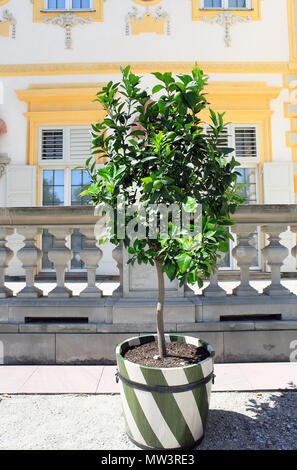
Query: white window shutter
(278,183)
(21,186)
(245,142)
(80,143)
(52,144)
(223,139)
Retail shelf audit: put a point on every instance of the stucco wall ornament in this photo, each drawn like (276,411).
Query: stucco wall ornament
(4,161)
(149,22)
(67,21)
(7,21)
(227,20)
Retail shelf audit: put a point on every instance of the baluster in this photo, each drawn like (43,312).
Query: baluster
(5,256)
(30,256)
(117,255)
(245,254)
(213,289)
(90,255)
(60,255)
(275,253)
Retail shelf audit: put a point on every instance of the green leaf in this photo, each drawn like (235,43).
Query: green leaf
(170,270)
(224,246)
(191,98)
(157,88)
(183,261)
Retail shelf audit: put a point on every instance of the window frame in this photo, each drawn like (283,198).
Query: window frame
(67,202)
(67,164)
(68,7)
(225,6)
(244,163)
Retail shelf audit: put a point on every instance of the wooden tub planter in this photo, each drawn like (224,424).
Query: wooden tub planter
(165,408)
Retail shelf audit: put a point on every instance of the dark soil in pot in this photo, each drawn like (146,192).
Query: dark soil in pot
(179,354)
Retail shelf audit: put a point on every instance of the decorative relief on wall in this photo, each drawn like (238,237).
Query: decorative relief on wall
(67,21)
(7,25)
(39,11)
(157,21)
(199,11)
(227,20)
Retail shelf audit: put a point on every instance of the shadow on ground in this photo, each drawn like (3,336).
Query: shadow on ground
(268,422)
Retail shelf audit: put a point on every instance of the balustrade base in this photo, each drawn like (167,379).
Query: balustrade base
(60,292)
(91,292)
(94,343)
(214,291)
(86,330)
(30,292)
(118,292)
(276,289)
(245,291)
(5,292)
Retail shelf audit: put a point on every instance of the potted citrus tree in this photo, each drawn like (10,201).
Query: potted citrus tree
(160,164)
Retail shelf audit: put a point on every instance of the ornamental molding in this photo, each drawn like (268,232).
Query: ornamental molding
(68,68)
(147,3)
(8,21)
(227,20)
(4,161)
(148,22)
(67,21)
(198,10)
(40,12)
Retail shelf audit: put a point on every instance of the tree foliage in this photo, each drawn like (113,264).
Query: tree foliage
(166,158)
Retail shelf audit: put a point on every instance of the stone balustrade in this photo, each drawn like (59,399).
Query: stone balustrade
(242,325)
(61,221)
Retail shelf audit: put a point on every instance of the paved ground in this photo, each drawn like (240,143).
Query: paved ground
(266,420)
(78,407)
(101,379)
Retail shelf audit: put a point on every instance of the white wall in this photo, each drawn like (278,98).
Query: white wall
(265,40)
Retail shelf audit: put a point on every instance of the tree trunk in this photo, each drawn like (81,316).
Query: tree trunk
(160,311)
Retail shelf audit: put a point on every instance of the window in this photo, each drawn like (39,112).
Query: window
(226,4)
(61,150)
(53,188)
(57,192)
(68,4)
(244,140)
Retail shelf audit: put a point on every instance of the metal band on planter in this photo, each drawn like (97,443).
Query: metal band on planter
(164,388)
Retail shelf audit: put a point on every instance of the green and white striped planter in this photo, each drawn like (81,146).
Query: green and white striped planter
(165,408)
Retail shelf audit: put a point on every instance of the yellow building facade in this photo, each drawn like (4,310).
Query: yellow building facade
(56,54)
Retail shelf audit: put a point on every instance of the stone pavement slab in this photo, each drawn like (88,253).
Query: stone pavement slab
(101,379)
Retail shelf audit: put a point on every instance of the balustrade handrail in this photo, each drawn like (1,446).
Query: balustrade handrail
(261,214)
(48,216)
